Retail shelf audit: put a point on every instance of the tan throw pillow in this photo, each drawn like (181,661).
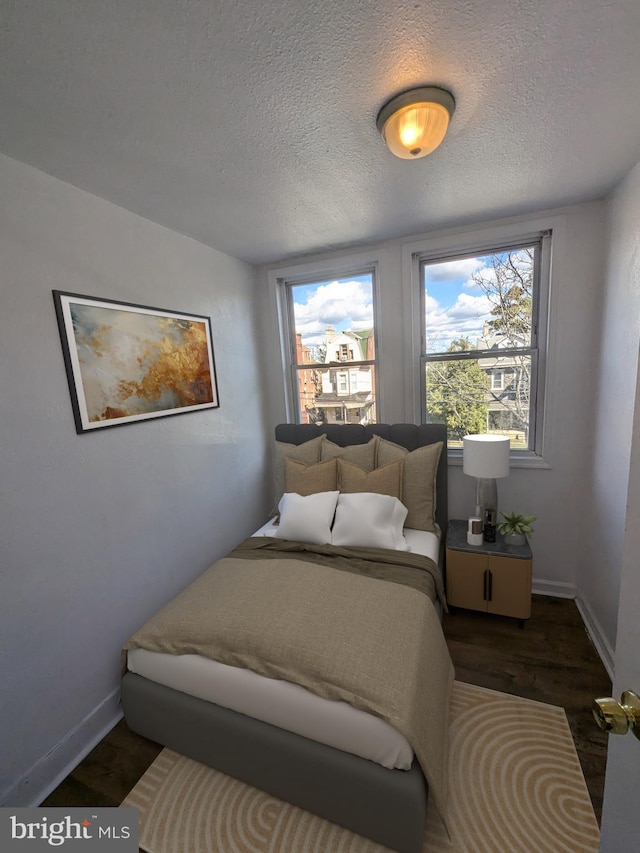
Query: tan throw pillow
(309,479)
(363,455)
(386,480)
(418,481)
(307,452)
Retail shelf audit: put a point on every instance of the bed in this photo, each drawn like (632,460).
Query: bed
(363,771)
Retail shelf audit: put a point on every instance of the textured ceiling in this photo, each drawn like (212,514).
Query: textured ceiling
(250,125)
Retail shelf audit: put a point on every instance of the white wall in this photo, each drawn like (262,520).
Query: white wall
(98,530)
(556,494)
(602,537)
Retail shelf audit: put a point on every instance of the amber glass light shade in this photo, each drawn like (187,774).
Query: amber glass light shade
(414,123)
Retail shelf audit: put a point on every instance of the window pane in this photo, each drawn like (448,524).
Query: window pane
(473,304)
(334,334)
(485,300)
(333,320)
(464,394)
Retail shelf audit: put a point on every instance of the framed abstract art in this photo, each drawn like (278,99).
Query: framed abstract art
(127,363)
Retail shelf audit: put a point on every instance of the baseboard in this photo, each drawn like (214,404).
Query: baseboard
(554,588)
(47,773)
(597,635)
(595,632)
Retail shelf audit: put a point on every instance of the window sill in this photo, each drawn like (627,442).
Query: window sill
(516,460)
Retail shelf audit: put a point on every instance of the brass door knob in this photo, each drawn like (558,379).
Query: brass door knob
(618,718)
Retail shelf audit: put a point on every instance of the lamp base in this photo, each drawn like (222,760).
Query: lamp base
(486,496)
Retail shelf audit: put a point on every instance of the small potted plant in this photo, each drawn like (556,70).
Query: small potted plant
(515,527)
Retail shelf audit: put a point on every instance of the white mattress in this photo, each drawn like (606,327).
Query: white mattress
(282,703)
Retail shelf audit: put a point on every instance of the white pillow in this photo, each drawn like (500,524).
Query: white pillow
(307,518)
(364,518)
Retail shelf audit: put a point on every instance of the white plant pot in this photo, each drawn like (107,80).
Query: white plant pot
(515,539)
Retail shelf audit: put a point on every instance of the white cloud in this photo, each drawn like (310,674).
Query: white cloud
(521,261)
(345,305)
(487,274)
(454,270)
(467,307)
(465,318)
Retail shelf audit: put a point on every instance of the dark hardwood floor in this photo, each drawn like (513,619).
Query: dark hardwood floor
(551,660)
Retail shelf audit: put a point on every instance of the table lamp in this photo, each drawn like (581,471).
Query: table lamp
(486,457)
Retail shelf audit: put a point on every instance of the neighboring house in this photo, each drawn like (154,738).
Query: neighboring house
(508,386)
(346,389)
(307,380)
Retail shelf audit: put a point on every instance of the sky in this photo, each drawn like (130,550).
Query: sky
(455,306)
(345,304)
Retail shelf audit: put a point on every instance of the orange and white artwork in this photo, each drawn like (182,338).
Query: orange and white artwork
(127,363)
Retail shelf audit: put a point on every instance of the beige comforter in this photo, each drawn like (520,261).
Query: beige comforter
(375,644)
(404,567)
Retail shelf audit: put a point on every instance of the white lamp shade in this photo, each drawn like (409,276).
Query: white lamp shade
(486,456)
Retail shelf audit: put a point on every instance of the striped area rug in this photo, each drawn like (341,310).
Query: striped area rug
(516,787)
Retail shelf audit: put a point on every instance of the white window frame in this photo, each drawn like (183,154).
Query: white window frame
(308,273)
(484,240)
(497,380)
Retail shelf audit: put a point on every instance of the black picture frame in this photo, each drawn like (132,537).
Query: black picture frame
(128,363)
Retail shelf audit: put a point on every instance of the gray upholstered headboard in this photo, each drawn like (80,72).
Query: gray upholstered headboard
(410,436)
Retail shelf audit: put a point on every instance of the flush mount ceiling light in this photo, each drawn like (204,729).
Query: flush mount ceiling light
(415,122)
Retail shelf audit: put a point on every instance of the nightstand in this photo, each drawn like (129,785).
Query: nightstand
(493,577)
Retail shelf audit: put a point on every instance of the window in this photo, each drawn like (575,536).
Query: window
(497,377)
(481,355)
(330,324)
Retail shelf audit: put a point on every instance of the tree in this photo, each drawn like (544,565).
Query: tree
(457,393)
(507,282)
